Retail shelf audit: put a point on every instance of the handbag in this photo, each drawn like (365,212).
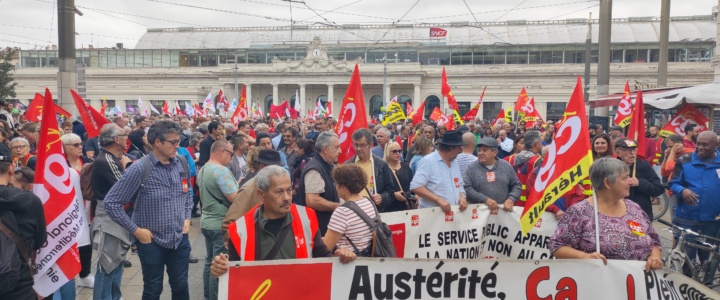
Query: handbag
(410,202)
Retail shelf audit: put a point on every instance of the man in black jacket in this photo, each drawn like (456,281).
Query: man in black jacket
(215,131)
(27,210)
(644,182)
(381,183)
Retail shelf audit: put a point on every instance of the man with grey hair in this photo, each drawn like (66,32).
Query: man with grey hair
(110,239)
(162,209)
(644,182)
(276,229)
(526,161)
(383,138)
(317,187)
(381,185)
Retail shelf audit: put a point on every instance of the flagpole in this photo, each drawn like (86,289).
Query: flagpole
(597,223)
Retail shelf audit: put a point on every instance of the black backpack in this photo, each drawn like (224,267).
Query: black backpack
(13,252)
(382,243)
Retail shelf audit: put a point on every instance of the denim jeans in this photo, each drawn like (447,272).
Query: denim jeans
(107,286)
(154,259)
(213,246)
(66,292)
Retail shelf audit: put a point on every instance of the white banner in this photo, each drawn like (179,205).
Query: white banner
(472,234)
(376,278)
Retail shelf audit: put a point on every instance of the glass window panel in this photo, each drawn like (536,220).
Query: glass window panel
(139,60)
(223,56)
(517,56)
(402,100)
(407,56)
(193,59)
(129,56)
(337,54)
(112,59)
(255,57)
(491,109)
(655,55)
(157,58)
(353,55)
(461,57)
(616,56)
(555,110)
(174,58)
(184,59)
(376,103)
(102,59)
(147,58)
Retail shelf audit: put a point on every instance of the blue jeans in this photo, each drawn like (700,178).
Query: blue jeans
(66,292)
(154,259)
(213,246)
(709,228)
(107,286)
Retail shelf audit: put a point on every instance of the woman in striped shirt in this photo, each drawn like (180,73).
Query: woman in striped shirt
(346,229)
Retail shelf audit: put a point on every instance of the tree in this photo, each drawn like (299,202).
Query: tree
(7,86)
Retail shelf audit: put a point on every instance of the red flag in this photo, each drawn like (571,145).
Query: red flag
(522,99)
(398,139)
(278,111)
(472,113)
(636,131)
(567,164)
(166,108)
(531,113)
(35,109)
(241,112)
(501,115)
(91,118)
(222,101)
(417,118)
(447,92)
(60,258)
(686,115)
(448,121)
(625,109)
(436,114)
(410,139)
(353,116)
(178,111)
(328,110)
(198,111)
(103,107)
(409,110)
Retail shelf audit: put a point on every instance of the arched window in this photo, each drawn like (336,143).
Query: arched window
(402,100)
(431,102)
(376,102)
(268,102)
(292,102)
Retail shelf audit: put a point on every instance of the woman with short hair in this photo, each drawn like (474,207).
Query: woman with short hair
(625,231)
(346,229)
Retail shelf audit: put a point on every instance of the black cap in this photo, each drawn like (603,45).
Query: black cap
(615,127)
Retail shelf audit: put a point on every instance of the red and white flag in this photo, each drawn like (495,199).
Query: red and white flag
(166,108)
(222,102)
(58,260)
(447,92)
(353,116)
(625,109)
(688,114)
(328,110)
(241,111)
(91,118)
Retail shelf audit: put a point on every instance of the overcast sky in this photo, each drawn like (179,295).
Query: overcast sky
(33,23)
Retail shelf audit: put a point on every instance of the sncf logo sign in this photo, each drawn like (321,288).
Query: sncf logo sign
(437,32)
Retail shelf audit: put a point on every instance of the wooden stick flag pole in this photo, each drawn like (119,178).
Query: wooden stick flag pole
(597,222)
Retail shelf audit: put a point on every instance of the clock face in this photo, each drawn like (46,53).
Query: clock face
(316,52)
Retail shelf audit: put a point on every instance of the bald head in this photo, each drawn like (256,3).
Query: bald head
(469,140)
(502,134)
(707,142)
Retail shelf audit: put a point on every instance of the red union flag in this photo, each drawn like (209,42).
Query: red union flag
(437,32)
(280,281)
(521,101)
(688,114)
(92,119)
(624,111)
(353,116)
(447,92)
(58,260)
(568,161)
(241,110)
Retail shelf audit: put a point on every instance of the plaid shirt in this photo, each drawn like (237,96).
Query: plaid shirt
(162,207)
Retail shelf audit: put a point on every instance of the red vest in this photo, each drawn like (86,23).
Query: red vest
(523,172)
(304,227)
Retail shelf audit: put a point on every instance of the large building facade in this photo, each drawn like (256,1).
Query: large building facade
(276,63)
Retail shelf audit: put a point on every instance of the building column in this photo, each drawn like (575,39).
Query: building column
(387,92)
(276,100)
(331,98)
(302,100)
(416,97)
(248,97)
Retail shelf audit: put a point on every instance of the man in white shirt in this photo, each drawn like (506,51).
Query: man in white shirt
(505,147)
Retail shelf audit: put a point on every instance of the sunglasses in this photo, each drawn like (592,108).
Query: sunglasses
(76,145)
(396,151)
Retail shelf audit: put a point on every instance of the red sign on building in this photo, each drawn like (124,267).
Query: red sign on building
(437,32)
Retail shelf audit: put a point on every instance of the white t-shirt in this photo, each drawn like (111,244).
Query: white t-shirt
(348,223)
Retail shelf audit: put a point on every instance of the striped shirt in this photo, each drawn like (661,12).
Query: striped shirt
(162,207)
(346,222)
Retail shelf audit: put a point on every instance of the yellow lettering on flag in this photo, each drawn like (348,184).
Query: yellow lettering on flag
(394,113)
(457,117)
(508,115)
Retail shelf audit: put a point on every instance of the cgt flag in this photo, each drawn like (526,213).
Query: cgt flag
(521,101)
(501,115)
(568,161)
(636,130)
(241,111)
(58,260)
(91,118)
(35,109)
(393,113)
(531,114)
(418,116)
(447,92)
(688,114)
(625,109)
(353,116)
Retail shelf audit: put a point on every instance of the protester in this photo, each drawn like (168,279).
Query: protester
(276,220)
(109,239)
(490,180)
(691,134)
(431,181)
(549,134)
(22,157)
(518,145)
(653,151)
(505,144)
(467,157)
(402,176)
(616,132)
(215,131)
(290,137)
(526,161)
(696,185)
(602,146)
(347,230)
(305,152)
(644,182)
(30,227)
(238,163)
(625,231)
(317,188)
(675,148)
(380,185)
(23,178)
(218,189)
(422,147)
(383,137)
(30,132)
(264,141)
(161,217)
(139,146)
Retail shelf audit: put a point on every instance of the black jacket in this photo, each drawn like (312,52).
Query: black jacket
(384,181)
(649,186)
(205,146)
(28,211)
(330,194)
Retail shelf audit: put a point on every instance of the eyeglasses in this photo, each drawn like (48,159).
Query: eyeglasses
(173,142)
(228,151)
(359,145)
(396,151)
(18,147)
(76,145)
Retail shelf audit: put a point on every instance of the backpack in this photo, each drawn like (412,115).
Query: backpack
(13,252)
(86,182)
(382,243)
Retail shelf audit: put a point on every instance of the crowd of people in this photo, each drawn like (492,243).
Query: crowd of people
(273,189)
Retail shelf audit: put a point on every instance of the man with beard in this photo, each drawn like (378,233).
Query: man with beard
(289,137)
(691,133)
(654,151)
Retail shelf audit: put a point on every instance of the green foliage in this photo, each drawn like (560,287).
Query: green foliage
(7,84)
